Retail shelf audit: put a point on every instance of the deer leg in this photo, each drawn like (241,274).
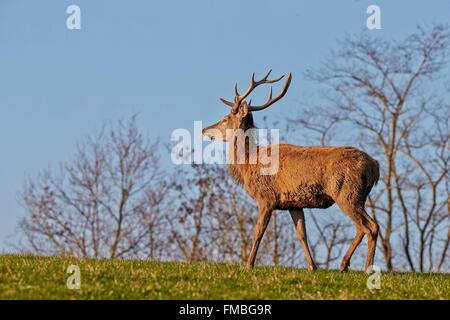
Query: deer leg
(372,236)
(264,215)
(364,225)
(355,243)
(299,221)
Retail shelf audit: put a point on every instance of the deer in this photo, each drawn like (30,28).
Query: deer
(307,177)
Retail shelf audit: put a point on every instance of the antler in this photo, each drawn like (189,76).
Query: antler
(239,98)
(271,101)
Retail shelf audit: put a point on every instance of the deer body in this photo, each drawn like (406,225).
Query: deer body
(307,177)
(310,177)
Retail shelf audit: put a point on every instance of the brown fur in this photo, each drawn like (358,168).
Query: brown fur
(311,177)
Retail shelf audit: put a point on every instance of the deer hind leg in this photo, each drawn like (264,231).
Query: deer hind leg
(299,221)
(355,243)
(364,225)
(264,215)
(372,235)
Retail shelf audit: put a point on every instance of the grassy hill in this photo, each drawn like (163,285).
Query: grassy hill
(27,277)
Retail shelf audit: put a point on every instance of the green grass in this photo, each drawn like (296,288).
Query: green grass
(28,277)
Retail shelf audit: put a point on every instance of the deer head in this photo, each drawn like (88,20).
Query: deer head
(240,116)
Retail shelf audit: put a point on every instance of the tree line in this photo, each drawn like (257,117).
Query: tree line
(115,199)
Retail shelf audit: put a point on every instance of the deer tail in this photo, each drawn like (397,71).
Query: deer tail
(375,174)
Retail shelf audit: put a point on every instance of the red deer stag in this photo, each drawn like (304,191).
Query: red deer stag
(307,177)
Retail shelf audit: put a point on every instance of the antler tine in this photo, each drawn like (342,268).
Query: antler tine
(274,80)
(262,79)
(254,84)
(239,98)
(271,101)
(228,103)
(236,92)
(253,77)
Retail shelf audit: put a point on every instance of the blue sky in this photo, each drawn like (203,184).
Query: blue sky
(168,60)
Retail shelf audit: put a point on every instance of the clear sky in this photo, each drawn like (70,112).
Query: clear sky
(168,60)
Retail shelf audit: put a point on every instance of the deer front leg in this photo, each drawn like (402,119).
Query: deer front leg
(264,215)
(299,221)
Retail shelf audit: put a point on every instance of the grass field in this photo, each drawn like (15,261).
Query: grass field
(27,277)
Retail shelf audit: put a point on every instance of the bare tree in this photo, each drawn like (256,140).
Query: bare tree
(231,232)
(195,200)
(428,214)
(212,220)
(381,92)
(105,202)
(329,239)
(114,200)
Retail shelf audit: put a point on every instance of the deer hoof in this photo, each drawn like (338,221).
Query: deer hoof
(344,267)
(311,268)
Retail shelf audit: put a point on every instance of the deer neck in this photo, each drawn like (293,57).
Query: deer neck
(242,154)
